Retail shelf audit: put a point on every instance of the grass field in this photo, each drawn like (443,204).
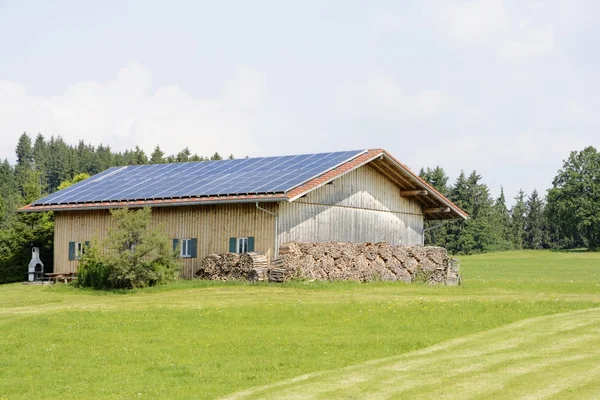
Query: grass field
(525,323)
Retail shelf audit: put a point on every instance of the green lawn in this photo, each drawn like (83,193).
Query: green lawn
(206,340)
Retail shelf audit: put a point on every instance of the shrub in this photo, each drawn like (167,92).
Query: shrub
(135,256)
(92,271)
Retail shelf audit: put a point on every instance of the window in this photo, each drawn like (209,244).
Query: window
(242,245)
(78,250)
(186,248)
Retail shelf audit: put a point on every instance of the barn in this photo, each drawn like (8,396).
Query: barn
(252,204)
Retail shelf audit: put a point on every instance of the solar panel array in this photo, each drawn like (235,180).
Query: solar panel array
(265,175)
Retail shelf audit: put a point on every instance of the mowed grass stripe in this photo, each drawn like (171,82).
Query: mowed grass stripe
(554,356)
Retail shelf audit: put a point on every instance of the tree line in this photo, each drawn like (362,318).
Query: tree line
(567,217)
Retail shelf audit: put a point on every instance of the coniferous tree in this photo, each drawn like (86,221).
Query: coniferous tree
(459,194)
(157,156)
(24,167)
(216,157)
(436,236)
(104,157)
(457,240)
(437,178)
(139,157)
(24,151)
(86,160)
(125,158)
(59,163)
(517,221)
(502,220)
(534,222)
(40,160)
(184,155)
(481,225)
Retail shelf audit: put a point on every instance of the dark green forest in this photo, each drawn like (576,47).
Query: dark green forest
(568,216)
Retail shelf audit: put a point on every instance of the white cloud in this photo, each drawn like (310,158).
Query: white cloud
(519,32)
(386,24)
(128,111)
(382,96)
(531,42)
(469,22)
(430,101)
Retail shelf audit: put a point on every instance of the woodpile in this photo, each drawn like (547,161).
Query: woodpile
(363,262)
(231,266)
(277,275)
(366,262)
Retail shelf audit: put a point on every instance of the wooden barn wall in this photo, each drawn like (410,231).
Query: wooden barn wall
(212,225)
(361,206)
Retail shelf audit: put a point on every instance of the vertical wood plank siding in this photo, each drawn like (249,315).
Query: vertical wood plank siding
(361,206)
(212,225)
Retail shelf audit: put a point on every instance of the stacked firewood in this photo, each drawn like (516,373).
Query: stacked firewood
(361,262)
(231,266)
(278,272)
(365,262)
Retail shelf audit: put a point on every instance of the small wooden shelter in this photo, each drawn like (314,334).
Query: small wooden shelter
(252,204)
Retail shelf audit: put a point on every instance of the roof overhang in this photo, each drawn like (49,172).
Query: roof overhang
(435,205)
(156,203)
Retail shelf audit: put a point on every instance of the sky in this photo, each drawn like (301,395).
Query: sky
(506,88)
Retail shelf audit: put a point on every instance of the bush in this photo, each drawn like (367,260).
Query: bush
(92,271)
(135,256)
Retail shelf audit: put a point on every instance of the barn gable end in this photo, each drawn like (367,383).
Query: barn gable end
(362,205)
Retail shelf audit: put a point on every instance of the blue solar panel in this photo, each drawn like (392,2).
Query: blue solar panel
(196,179)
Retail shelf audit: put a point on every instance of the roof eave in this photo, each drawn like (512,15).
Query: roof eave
(99,206)
(454,209)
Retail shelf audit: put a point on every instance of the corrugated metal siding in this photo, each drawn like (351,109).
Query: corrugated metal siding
(361,206)
(213,225)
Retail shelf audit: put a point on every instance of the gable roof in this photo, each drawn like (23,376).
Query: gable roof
(264,179)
